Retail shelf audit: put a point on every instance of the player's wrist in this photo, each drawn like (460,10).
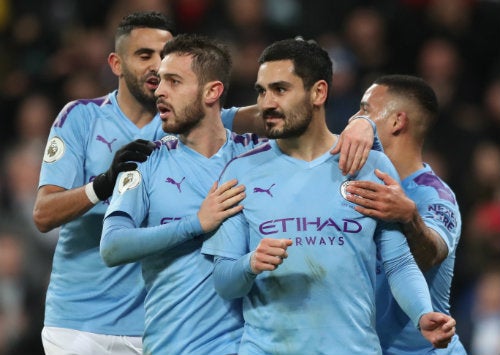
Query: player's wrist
(366,118)
(251,264)
(90,192)
(411,215)
(102,187)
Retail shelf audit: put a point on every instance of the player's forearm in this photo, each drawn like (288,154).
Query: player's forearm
(247,119)
(409,287)
(426,245)
(123,242)
(233,278)
(55,206)
(377,144)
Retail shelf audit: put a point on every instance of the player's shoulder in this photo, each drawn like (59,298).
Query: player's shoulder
(82,108)
(163,146)
(427,183)
(159,157)
(250,158)
(257,152)
(373,155)
(378,160)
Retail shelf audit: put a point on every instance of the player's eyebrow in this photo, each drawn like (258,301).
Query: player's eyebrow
(274,85)
(144,50)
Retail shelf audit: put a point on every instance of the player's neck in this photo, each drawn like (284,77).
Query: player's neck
(316,141)
(207,137)
(407,159)
(133,110)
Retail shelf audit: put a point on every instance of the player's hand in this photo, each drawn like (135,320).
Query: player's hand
(354,145)
(125,159)
(269,254)
(438,328)
(385,201)
(220,203)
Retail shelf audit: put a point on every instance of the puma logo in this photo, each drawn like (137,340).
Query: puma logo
(267,191)
(173,182)
(102,139)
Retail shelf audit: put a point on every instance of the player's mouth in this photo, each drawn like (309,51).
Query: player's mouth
(152,82)
(272,120)
(272,116)
(164,110)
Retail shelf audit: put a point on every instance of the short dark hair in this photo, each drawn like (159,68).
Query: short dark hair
(311,62)
(418,91)
(211,58)
(413,88)
(144,19)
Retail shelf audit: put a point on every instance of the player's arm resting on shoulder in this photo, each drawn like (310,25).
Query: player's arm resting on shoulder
(389,202)
(386,201)
(355,143)
(125,159)
(427,246)
(220,203)
(55,206)
(373,138)
(123,241)
(248,120)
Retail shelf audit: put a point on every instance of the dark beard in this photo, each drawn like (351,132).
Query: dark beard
(296,123)
(188,118)
(141,95)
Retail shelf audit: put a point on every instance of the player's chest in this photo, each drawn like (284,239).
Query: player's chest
(298,195)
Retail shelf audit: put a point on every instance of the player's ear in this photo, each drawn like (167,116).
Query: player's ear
(319,93)
(115,63)
(400,122)
(213,91)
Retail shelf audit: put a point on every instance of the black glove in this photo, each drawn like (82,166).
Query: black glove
(136,151)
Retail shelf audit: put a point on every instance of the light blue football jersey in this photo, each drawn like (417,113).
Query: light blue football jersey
(437,205)
(184,314)
(321,300)
(83,293)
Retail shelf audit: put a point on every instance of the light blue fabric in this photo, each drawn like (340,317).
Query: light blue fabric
(83,293)
(321,300)
(437,205)
(184,314)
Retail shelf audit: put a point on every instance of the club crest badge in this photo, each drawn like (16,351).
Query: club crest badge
(168,138)
(343,189)
(54,150)
(129,180)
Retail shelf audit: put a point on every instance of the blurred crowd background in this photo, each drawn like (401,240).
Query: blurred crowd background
(54,51)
